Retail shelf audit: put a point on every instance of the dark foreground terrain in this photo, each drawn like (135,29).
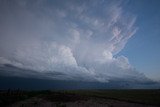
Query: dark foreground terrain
(80,98)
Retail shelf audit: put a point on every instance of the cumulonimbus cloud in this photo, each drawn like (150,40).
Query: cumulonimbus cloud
(74,40)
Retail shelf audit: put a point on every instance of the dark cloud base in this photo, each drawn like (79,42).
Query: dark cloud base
(37,81)
(44,84)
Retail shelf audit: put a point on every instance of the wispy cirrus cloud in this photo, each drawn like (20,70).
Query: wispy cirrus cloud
(77,39)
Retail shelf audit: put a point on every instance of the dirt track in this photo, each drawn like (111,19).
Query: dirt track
(91,102)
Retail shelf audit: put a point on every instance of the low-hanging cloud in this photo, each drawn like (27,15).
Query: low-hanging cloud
(67,40)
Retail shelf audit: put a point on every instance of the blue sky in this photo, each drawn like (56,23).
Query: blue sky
(80,40)
(143,49)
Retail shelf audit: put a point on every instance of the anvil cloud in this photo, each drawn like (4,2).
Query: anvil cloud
(66,39)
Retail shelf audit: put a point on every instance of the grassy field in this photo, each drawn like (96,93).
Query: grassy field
(137,96)
(148,97)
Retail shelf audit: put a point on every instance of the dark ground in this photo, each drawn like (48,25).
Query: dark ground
(80,98)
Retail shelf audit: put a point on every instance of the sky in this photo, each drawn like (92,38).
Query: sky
(145,54)
(81,40)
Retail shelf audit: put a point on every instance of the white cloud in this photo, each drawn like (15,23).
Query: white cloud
(44,56)
(69,38)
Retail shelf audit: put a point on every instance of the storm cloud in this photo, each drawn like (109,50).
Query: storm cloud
(66,40)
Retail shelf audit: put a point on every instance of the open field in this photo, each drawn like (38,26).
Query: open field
(80,98)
